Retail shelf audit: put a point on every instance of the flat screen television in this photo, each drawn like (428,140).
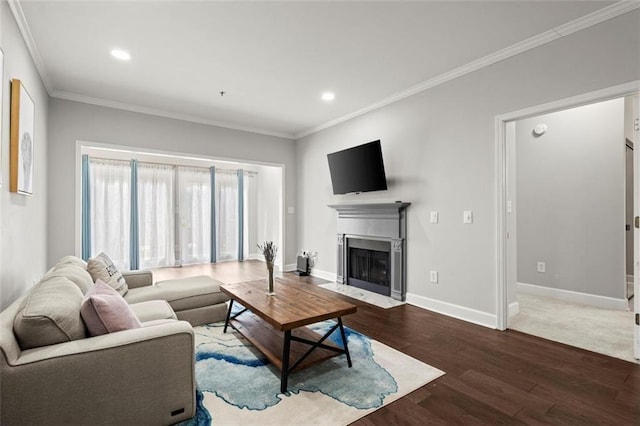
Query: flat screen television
(358,169)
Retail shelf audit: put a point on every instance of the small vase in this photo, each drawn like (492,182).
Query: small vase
(270,288)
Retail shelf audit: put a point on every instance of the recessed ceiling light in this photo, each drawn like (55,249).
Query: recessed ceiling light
(120,54)
(328,96)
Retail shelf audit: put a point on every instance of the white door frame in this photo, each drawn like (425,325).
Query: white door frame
(636,232)
(501,177)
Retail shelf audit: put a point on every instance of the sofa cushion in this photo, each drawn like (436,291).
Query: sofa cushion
(76,274)
(72,260)
(182,294)
(50,314)
(105,311)
(102,268)
(153,310)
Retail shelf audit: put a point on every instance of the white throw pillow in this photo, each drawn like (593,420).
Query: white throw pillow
(102,268)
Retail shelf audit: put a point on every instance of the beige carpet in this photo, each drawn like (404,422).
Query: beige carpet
(599,330)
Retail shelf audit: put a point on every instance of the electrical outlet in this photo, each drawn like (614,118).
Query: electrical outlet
(542,267)
(433,276)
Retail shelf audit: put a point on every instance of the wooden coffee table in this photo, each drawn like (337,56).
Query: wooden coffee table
(288,312)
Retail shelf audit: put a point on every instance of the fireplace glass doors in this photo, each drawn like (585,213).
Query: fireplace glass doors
(369,265)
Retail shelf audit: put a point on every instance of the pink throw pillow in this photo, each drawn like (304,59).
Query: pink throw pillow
(104,311)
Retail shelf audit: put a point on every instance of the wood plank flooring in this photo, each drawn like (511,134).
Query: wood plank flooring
(492,377)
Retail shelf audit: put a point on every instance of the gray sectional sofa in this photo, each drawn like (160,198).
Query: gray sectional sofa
(53,372)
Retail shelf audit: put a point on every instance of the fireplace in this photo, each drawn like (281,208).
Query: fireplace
(369,265)
(371,252)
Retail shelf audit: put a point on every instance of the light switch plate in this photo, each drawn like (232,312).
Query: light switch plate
(467,216)
(434,217)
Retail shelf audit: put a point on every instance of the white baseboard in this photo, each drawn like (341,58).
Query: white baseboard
(290,267)
(460,312)
(514,309)
(329,276)
(574,296)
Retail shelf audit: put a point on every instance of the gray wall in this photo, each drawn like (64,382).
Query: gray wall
(72,121)
(23,224)
(439,152)
(571,200)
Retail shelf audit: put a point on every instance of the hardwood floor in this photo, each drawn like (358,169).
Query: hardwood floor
(492,377)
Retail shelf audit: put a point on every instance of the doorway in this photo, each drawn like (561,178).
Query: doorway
(562,232)
(629,237)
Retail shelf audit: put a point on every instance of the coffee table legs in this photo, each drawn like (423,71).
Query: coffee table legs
(226,322)
(286,347)
(284,374)
(229,317)
(344,342)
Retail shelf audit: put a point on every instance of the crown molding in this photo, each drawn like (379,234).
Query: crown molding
(162,113)
(597,17)
(21,20)
(576,25)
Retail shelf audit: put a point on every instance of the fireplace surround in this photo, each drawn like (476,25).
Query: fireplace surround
(371,244)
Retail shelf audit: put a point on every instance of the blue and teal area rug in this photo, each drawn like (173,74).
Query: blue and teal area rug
(237,385)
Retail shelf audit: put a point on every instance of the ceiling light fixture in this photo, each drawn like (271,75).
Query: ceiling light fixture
(328,96)
(120,54)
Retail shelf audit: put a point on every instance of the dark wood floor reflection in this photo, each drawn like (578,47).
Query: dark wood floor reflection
(492,377)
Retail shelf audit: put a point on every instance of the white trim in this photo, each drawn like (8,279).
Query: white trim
(571,27)
(163,113)
(290,267)
(329,276)
(501,225)
(21,20)
(574,101)
(501,174)
(597,17)
(78,200)
(166,153)
(456,311)
(595,300)
(514,309)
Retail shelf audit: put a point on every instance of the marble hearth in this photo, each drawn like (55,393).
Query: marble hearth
(382,230)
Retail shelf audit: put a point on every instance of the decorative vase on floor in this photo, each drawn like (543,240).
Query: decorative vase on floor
(269,251)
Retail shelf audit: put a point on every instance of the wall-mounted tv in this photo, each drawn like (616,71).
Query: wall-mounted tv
(358,169)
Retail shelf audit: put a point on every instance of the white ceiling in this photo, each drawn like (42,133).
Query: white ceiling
(274,59)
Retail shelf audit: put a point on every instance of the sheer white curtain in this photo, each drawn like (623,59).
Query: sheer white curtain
(110,208)
(226,215)
(194,215)
(156,217)
(250,215)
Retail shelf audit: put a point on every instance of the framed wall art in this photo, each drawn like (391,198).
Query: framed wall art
(22,140)
(1,104)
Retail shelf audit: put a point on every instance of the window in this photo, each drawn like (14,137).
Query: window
(110,209)
(165,217)
(194,215)
(226,203)
(156,220)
